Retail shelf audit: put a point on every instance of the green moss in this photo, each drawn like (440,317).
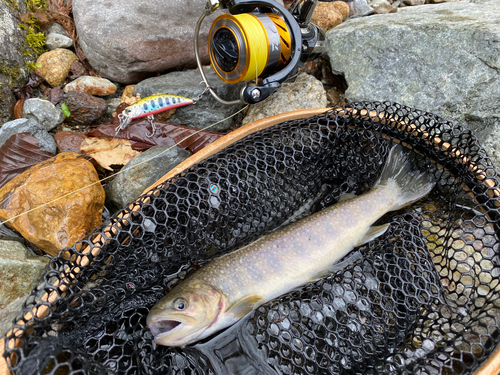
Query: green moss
(14,73)
(35,42)
(33,5)
(13,5)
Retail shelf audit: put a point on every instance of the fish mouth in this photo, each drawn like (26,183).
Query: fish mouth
(163,327)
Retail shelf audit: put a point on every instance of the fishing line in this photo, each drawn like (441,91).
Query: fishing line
(122,170)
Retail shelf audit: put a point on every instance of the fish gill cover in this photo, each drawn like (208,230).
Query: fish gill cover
(421,299)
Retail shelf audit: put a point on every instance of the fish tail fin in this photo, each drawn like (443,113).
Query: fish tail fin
(411,184)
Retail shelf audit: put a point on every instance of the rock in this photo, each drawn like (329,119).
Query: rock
(382,7)
(327,15)
(361,8)
(342,7)
(305,92)
(85,109)
(130,184)
(414,2)
(9,313)
(55,65)
(21,125)
(444,59)
(13,69)
(57,37)
(57,28)
(92,86)
(44,112)
(19,271)
(128,41)
(55,41)
(55,225)
(77,70)
(206,111)
(112,104)
(69,141)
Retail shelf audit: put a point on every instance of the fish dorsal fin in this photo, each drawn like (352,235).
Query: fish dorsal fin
(242,307)
(346,197)
(372,233)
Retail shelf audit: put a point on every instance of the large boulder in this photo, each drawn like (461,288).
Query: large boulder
(13,70)
(127,41)
(442,58)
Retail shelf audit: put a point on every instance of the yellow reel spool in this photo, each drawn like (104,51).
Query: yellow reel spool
(244,46)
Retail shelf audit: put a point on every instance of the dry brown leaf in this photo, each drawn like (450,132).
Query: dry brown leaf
(108,151)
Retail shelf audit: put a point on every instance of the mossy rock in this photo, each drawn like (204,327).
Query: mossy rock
(15,54)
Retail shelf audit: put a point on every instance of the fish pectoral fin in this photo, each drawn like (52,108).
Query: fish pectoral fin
(372,233)
(242,307)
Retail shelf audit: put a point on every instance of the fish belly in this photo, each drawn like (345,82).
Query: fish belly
(299,253)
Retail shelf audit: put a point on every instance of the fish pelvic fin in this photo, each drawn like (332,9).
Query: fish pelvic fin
(398,172)
(242,307)
(372,233)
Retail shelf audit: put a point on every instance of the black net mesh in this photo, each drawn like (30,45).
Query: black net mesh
(421,299)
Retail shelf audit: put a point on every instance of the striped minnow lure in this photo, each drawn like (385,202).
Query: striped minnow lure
(149,106)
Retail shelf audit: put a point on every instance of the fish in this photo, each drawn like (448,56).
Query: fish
(227,288)
(150,106)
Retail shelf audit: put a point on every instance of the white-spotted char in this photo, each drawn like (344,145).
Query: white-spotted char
(224,290)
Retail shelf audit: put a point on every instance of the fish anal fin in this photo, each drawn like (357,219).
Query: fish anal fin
(242,307)
(372,233)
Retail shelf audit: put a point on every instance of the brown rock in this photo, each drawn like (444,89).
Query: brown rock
(77,70)
(58,218)
(69,141)
(326,16)
(91,85)
(55,65)
(84,108)
(384,8)
(342,7)
(55,95)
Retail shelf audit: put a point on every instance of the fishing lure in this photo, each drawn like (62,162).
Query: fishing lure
(149,106)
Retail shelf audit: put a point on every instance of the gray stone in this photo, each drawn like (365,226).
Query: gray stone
(54,41)
(44,112)
(207,110)
(19,271)
(57,28)
(13,70)
(442,58)
(414,2)
(127,41)
(361,8)
(155,163)
(21,125)
(306,92)
(9,313)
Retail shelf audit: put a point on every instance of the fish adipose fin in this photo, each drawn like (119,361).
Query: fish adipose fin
(242,307)
(372,233)
(410,184)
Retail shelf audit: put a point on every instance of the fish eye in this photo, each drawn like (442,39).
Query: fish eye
(180,304)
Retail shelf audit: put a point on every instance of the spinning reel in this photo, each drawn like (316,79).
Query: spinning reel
(259,40)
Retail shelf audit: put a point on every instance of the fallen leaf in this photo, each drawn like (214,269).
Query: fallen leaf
(18,108)
(166,134)
(108,151)
(19,153)
(68,141)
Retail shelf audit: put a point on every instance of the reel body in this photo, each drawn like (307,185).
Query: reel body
(259,40)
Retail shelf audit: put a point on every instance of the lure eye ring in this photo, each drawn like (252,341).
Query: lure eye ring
(180,304)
